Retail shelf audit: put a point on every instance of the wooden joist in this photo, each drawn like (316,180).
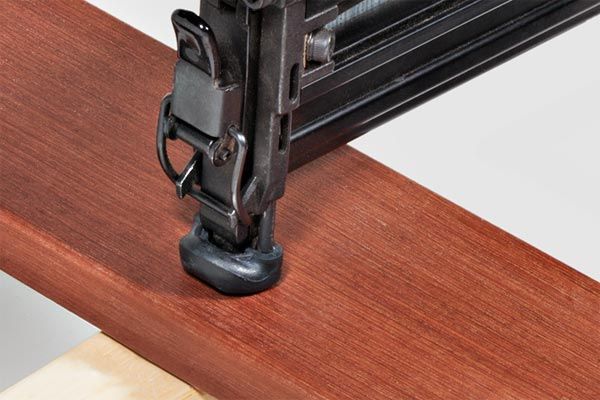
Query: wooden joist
(101,369)
(389,291)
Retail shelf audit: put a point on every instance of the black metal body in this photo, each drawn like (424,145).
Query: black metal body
(264,86)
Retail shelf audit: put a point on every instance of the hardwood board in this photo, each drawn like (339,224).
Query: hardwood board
(389,291)
(101,369)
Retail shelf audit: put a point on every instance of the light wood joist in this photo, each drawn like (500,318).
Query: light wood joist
(101,369)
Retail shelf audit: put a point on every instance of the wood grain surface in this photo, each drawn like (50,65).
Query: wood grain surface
(101,369)
(389,291)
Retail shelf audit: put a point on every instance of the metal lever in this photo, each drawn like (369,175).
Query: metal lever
(215,149)
(196,42)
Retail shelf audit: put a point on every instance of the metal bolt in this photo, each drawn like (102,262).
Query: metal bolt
(224,156)
(319,46)
(221,150)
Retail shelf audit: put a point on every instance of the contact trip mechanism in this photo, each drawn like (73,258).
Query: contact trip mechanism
(229,246)
(241,68)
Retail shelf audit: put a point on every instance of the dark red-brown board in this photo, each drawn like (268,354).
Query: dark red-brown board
(389,290)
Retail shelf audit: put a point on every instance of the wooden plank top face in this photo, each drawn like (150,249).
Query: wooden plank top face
(389,291)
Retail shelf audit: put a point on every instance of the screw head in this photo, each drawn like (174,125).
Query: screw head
(320,45)
(224,155)
(222,150)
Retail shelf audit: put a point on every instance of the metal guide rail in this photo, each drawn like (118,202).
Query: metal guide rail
(264,86)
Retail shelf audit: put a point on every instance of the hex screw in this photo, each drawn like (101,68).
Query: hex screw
(319,46)
(224,155)
(221,151)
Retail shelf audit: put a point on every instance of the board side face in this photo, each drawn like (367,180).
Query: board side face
(389,291)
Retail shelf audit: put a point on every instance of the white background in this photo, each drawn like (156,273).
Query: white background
(518,146)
